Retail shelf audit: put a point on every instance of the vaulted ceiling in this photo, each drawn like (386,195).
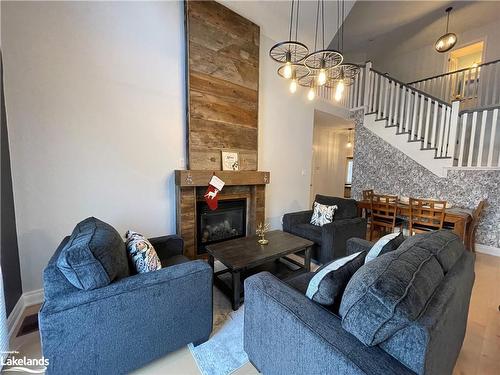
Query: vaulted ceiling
(373,27)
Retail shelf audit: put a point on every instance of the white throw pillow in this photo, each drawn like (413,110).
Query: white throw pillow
(322,214)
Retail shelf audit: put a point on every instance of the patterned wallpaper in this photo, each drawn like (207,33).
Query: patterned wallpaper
(387,170)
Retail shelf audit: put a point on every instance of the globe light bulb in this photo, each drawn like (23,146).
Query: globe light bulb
(287,71)
(349,144)
(311,94)
(322,77)
(339,90)
(293,86)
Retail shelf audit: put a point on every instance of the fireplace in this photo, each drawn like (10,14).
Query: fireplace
(227,222)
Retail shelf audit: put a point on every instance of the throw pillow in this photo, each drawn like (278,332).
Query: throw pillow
(142,253)
(330,280)
(385,244)
(94,255)
(322,214)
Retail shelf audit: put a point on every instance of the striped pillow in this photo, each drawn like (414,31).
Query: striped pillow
(330,280)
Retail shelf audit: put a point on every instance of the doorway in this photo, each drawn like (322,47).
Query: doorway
(469,56)
(332,155)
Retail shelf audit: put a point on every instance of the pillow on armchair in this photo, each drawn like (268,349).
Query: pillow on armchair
(142,253)
(94,255)
(322,214)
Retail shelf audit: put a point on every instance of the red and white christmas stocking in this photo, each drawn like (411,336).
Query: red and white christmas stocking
(211,196)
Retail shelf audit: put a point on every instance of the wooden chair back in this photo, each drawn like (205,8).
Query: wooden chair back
(426,215)
(383,211)
(367,194)
(471,232)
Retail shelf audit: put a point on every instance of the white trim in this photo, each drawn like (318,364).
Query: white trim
(15,316)
(478,168)
(26,300)
(490,250)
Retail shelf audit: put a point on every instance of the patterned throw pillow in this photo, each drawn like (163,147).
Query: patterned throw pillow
(142,253)
(322,214)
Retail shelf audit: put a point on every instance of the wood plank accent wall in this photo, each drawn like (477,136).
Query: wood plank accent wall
(223,83)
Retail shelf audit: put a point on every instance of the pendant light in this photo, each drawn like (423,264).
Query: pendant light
(298,71)
(290,52)
(322,60)
(448,40)
(349,138)
(344,74)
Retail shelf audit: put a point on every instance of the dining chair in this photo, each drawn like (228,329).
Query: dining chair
(367,194)
(471,230)
(383,213)
(426,215)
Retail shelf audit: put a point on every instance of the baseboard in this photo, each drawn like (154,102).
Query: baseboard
(15,316)
(490,250)
(27,299)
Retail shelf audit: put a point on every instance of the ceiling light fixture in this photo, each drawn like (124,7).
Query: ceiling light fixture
(290,52)
(324,59)
(448,40)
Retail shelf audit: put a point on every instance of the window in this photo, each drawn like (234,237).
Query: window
(348,175)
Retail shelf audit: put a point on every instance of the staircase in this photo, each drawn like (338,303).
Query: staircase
(431,131)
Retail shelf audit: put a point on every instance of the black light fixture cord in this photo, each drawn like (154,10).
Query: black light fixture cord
(447,20)
(316,32)
(291,22)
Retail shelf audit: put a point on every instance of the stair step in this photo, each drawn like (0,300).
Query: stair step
(443,157)
(401,133)
(382,119)
(415,140)
(428,148)
(370,113)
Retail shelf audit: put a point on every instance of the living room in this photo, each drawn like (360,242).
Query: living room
(160,118)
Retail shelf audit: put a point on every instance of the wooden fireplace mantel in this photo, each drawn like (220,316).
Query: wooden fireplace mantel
(192,178)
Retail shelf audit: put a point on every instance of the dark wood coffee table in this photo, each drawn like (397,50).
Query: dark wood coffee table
(244,257)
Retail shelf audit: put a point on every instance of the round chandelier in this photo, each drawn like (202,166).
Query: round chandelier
(291,52)
(324,59)
(448,40)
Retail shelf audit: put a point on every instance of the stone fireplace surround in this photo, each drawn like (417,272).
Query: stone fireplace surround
(191,185)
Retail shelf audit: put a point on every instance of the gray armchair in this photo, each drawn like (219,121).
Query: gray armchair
(330,239)
(130,322)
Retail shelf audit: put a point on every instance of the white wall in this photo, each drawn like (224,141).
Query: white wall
(425,62)
(95,105)
(95,102)
(329,160)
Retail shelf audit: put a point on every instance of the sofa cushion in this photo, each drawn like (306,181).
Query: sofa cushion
(141,253)
(94,255)
(347,208)
(174,260)
(444,244)
(322,214)
(388,293)
(330,280)
(389,242)
(309,231)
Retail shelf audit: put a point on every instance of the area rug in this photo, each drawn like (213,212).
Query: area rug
(223,353)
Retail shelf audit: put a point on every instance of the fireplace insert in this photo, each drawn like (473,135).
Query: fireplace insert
(227,222)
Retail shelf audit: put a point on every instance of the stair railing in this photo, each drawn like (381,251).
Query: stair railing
(475,86)
(353,96)
(478,144)
(425,118)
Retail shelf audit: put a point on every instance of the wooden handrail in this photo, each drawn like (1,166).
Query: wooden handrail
(411,88)
(480,109)
(454,72)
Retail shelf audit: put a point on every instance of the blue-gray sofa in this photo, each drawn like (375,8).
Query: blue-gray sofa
(130,322)
(330,239)
(405,312)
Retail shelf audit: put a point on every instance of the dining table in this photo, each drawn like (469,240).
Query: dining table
(456,218)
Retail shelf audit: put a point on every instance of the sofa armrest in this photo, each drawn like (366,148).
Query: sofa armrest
(286,333)
(161,311)
(355,245)
(336,234)
(168,246)
(294,218)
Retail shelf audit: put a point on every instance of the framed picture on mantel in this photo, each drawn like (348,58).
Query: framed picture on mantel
(230,161)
